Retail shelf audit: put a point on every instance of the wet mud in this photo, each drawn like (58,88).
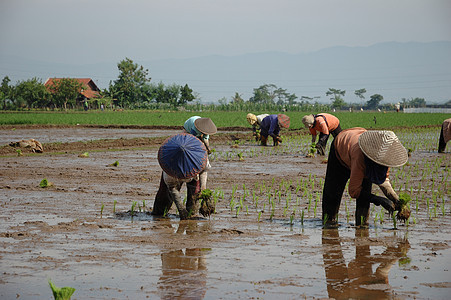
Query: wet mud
(265,240)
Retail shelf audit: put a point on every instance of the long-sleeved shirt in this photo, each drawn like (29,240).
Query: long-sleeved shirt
(350,155)
(270,126)
(190,128)
(322,126)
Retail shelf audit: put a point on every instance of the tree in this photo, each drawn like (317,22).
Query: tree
(359,93)
(337,100)
(128,87)
(5,91)
(65,91)
(237,99)
(417,102)
(186,95)
(374,101)
(30,93)
(270,93)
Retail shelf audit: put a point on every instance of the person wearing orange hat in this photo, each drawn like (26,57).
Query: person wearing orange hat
(363,157)
(445,135)
(256,122)
(271,125)
(325,124)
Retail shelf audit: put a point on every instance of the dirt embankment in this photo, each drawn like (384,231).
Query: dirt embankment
(224,136)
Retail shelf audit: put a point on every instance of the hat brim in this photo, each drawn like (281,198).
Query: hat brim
(205,125)
(182,156)
(386,152)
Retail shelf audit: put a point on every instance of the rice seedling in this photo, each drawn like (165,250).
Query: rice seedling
(101,210)
(115,164)
(45,183)
(292,217)
(84,155)
(240,156)
(132,210)
(394,221)
(64,293)
(114,206)
(19,152)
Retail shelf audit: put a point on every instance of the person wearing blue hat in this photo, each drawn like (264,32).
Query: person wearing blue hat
(184,159)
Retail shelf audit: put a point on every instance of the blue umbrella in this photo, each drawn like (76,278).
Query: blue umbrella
(182,156)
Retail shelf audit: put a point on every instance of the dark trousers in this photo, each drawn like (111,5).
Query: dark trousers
(337,176)
(441,141)
(324,137)
(165,197)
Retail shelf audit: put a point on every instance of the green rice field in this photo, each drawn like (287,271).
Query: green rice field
(221,118)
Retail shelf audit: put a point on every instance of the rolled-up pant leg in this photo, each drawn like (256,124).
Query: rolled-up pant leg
(362,210)
(193,190)
(336,178)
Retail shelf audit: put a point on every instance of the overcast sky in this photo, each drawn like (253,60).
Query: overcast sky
(91,31)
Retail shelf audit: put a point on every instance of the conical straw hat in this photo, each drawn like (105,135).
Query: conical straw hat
(251,118)
(308,120)
(383,147)
(205,125)
(182,156)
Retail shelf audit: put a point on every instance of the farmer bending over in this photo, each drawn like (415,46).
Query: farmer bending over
(363,157)
(445,135)
(182,157)
(325,124)
(256,122)
(270,126)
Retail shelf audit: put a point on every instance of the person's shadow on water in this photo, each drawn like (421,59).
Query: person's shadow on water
(184,271)
(357,280)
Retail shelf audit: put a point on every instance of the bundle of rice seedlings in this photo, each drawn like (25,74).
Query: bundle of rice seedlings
(403,209)
(207,205)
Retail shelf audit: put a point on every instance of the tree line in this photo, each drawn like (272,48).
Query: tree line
(133,90)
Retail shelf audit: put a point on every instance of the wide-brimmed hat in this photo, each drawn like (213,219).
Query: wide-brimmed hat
(251,118)
(383,147)
(308,120)
(182,156)
(284,120)
(205,125)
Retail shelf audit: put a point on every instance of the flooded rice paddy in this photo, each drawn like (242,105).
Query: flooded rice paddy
(265,241)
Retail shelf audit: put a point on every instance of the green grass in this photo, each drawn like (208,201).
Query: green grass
(221,119)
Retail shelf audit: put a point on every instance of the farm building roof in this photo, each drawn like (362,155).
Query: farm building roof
(90,91)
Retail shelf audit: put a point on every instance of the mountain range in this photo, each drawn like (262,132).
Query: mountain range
(394,70)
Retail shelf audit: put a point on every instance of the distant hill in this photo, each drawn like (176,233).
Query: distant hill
(394,70)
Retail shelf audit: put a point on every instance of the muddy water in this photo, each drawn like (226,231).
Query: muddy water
(248,250)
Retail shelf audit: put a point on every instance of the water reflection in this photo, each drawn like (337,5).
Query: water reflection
(184,271)
(357,280)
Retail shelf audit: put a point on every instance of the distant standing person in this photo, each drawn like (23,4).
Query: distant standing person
(86,105)
(445,135)
(271,125)
(256,122)
(325,124)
